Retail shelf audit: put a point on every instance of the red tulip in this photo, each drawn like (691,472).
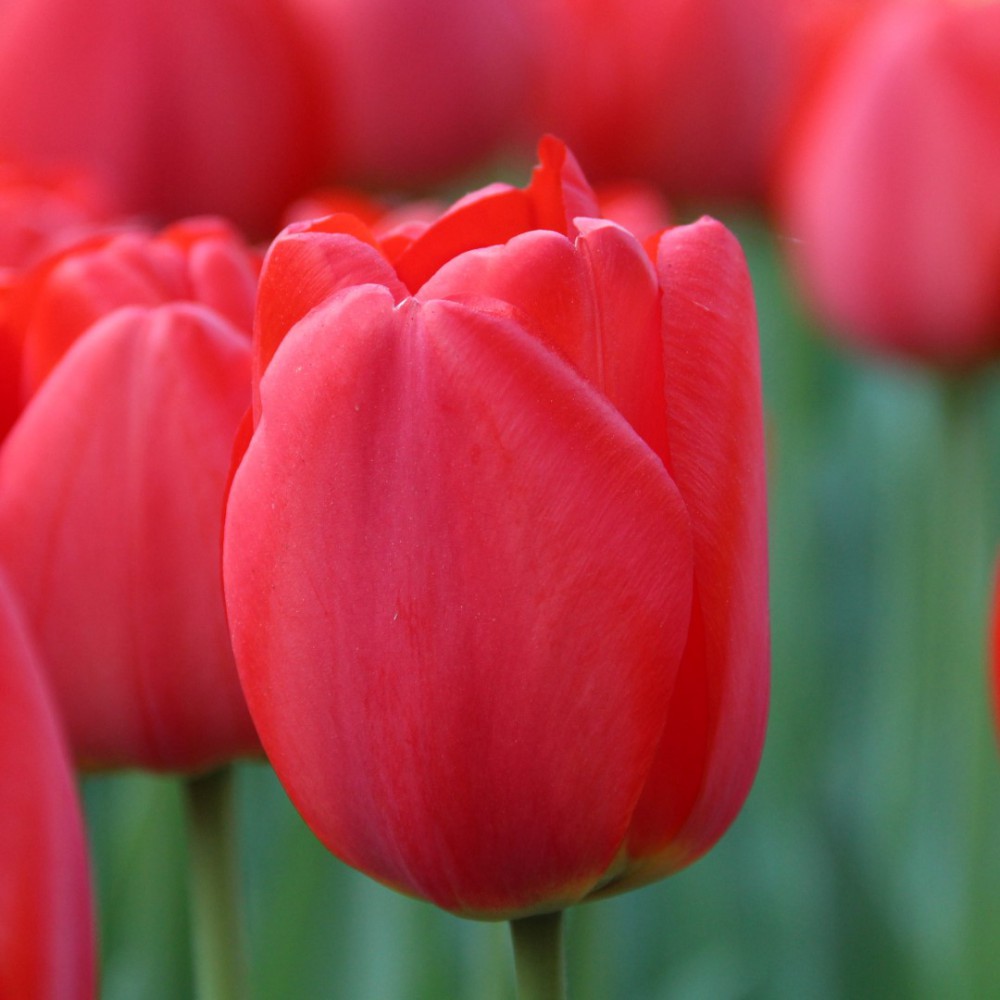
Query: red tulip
(111,499)
(689,93)
(891,189)
(495,557)
(39,213)
(46,922)
(196,260)
(416,91)
(181,107)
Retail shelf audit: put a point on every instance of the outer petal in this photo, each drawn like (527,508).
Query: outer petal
(46,921)
(596,302)
(111,489)
(715,728)
(307,264)
(458,585)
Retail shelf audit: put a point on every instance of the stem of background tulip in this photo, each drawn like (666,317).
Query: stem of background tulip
(538,956)
(217,934)
(957,710)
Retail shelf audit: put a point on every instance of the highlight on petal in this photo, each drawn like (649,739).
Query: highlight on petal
(459,587)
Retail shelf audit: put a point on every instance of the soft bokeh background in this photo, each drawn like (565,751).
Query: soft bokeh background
(867,860)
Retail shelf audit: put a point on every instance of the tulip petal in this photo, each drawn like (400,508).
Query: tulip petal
(715,728)
(485,218)
(307,264)
(46,919)
(111,487)
(559,190)
(458,585)
(595,302)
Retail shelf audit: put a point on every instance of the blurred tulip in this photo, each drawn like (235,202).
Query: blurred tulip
(39,213)
(416,91)
(111,496)
(197,260)
(43,211)
(891,191)
(688,93)
(495,558)
(46,922)
(640,208)
(180,107)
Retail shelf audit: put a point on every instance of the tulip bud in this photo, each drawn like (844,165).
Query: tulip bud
(495,556)
(111,496)
(891,192)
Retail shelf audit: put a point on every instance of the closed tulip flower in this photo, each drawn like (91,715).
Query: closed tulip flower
(495,557)
(890,189)
(111,499)
(689,93)
(179,106)
(465,70)
(196,260)
(46,921)
(39,213)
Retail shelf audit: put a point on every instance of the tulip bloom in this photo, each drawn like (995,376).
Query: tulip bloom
(39,213)
(689,93)
(412,92)
(179,106)
(891,191)
(46,921)
(197,260)
(111,498)
(495,557)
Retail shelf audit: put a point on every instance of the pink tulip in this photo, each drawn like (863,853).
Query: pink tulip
(891,191)
(495,557)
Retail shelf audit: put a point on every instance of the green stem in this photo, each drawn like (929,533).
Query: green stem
(962,578)
(538,956)
(217,937)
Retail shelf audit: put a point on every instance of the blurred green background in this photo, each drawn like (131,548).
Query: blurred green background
(866,862)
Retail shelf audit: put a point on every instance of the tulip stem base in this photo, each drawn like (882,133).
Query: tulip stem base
(538,957)
(217,934)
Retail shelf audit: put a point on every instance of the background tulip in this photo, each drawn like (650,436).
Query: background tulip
(180,107)
(690,93)
(46,925)
(415,92)
(495,557)
(891,197)
(39,213)
(197,260)
(111,490)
